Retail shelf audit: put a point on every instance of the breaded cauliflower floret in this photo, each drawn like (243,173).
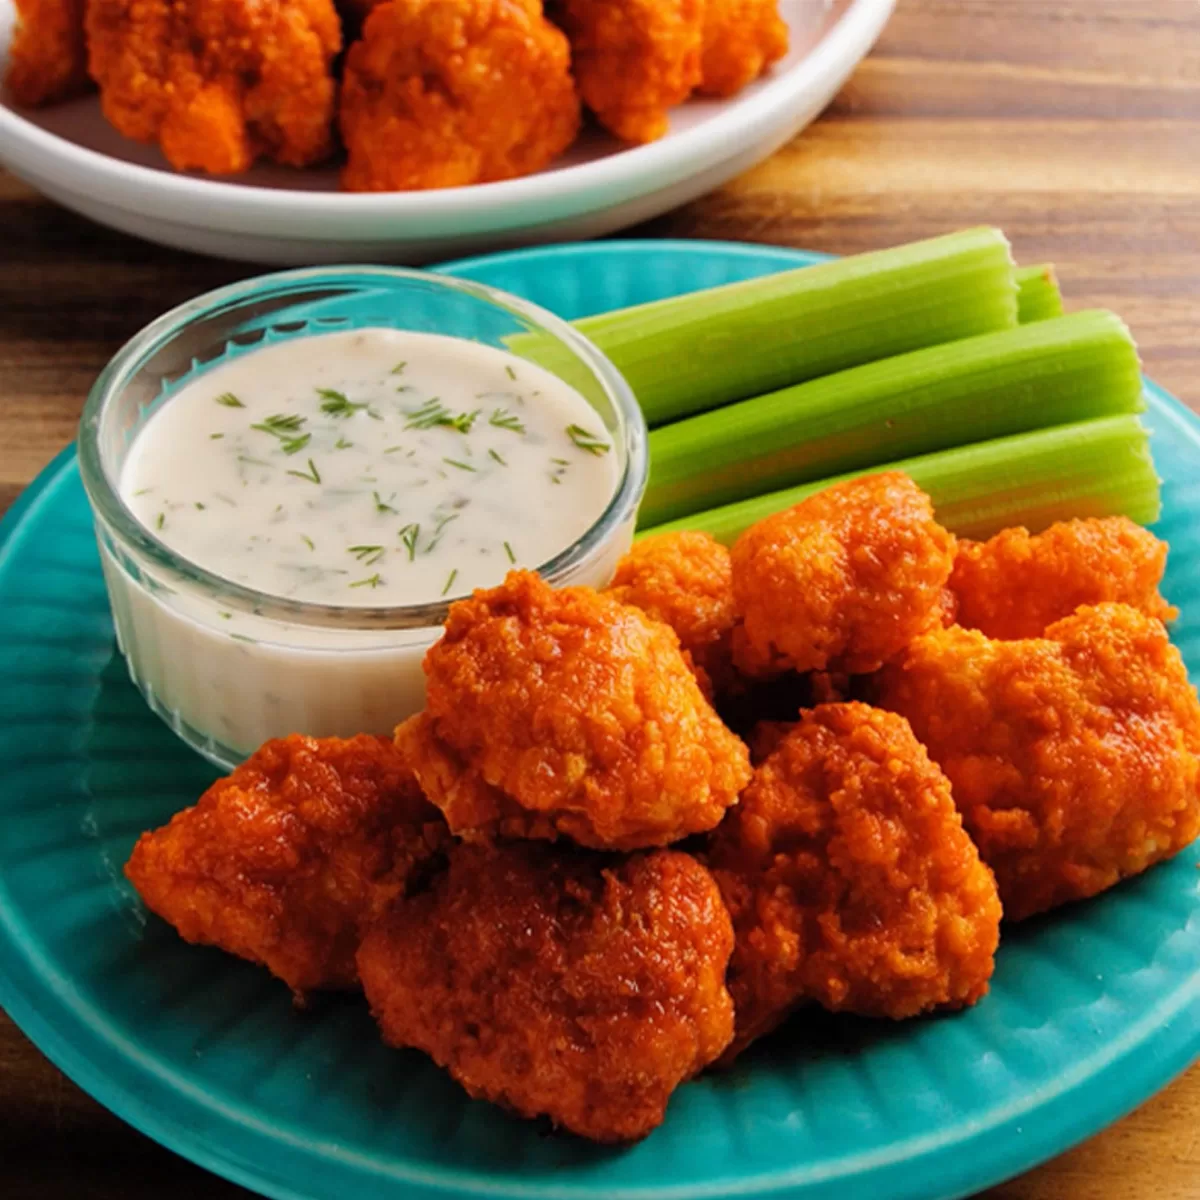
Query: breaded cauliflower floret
(281,861)
(843,581)
(742,38)
(1015,585)
(218,83)
(565,712)
(47,59)
(1075,758)
(445,93)
(850,879)
(559,982)
(684,580)
(634,60)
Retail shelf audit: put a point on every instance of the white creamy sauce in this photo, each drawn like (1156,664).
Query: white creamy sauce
(374,468)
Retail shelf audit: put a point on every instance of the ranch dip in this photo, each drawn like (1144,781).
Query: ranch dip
(373,468)
(361,470)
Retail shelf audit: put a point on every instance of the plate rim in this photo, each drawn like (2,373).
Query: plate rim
(1170,1031)
(225,205)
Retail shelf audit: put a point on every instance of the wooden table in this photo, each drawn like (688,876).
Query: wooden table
(1073,124)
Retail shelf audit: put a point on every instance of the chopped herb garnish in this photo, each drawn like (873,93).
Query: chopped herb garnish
(160,521)
(312,474)
(215,436)
(503,419)
(392,449)
(406,387)
(409,535)
(335,404)
(241,637)
(512,558)
(200,506)
(510,372)
(380,506)
(398,369)
(450,581)
(229,400)
(367,554)
(462,466)
(295,445)
(497,457)
(433,413)
(587,441)
(308,541)
(280,423)
(372,581)
(226,616)
(143,491)
(342,444)
(562,462)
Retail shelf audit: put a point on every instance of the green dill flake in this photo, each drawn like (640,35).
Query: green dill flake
(368,555)
(335,404)
(509,371)
(160,520)
(588,442)
(450,581)
(393,449)
(255,462)
(229,400)
(226,616)
(408,536)
(308,541)
(280,424)
(200,507)
(312,475)
(501,418)
(143,491)
(398,369)
(512,558)
(241,637)
(462,466)
(372,581)
(433,413)
(380,506)
(497,457)
(342,444)
(215,437)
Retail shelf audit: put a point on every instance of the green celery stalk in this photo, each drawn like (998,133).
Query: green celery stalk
(1038,295)
(1094,468)
(696,352)
(1049,373)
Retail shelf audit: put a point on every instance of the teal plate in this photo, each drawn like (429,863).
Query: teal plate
(1090,1012)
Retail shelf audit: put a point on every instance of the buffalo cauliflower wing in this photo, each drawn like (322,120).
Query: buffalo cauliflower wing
(281,861)
(558,982)
(1015,585)
(841,582)
(218,85)
(445,93)
(1074,758)
(850,878)
(634,59)
(684,580)
(565,712)
(742,38)
(47,60)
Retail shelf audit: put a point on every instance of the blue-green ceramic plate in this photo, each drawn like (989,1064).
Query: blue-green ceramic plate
(1090,1012)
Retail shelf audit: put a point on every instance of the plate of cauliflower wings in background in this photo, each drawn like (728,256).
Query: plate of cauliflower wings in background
(299,131)
(636,831)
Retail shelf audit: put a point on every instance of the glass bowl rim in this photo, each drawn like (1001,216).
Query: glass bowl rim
(110,509)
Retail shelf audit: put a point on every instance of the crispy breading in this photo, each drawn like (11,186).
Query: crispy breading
(742,38)
(218,84)
(446,93)
(558,982)
(634,59)
(684,580)
(567,713)
(282,860)
(841,582)
(47,58)
(1015,585)
(1075,758)
(850,878)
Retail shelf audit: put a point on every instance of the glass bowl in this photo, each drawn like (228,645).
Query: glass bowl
(286,666)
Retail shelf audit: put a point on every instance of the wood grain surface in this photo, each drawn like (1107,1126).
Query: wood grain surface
(1073,124)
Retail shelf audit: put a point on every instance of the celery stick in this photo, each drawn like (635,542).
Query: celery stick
(1038,294)
(1048,373)
(1094,468)
(696,352)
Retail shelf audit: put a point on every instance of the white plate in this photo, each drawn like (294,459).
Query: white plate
(297,217)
